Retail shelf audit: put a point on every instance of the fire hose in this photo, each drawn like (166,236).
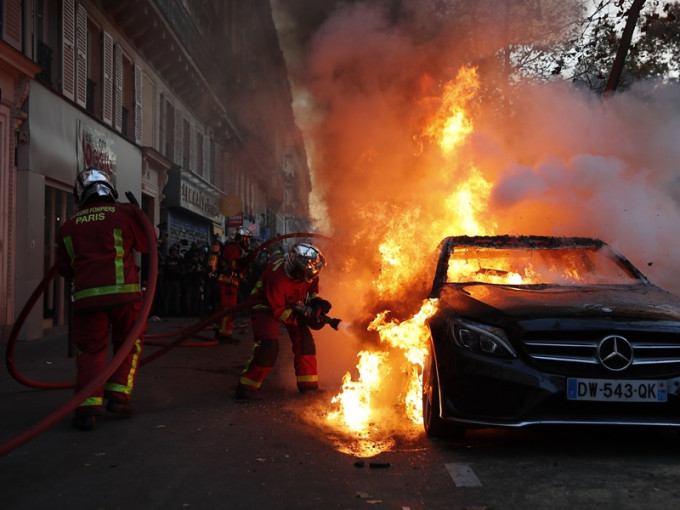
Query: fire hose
(71,404)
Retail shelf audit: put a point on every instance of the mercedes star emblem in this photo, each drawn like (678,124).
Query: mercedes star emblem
(615,353)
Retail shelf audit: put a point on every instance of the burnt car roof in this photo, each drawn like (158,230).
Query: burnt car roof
(448,244)
(502,241)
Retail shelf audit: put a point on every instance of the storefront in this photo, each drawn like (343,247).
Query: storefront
(191,210)
(60,140)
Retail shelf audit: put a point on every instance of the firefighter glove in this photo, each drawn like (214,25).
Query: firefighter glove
(305,311)
(321,306)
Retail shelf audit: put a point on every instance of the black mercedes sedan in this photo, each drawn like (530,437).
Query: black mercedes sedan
(536,330)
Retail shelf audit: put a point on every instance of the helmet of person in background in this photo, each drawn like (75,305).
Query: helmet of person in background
(93,182)
(242,236)
(303,261)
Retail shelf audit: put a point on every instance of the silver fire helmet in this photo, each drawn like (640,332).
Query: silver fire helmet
(93,182)
(304,261)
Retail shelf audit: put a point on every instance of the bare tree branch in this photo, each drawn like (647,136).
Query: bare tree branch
(622,52)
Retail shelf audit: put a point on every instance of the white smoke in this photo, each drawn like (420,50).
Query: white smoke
(606,169)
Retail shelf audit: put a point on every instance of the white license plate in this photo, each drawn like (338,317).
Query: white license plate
(612,390)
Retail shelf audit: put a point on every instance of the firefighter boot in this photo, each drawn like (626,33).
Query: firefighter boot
(243,394)
(84,421)
(225,339)
(120,407)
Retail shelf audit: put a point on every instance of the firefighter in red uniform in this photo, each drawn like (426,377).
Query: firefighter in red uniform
(236,256)
(286,293)
(95,250)
(211,290)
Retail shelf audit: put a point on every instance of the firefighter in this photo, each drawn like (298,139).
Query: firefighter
(286,293)
(95,249)
(236,256)
(212,265)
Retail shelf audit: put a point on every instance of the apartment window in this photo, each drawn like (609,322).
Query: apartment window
(215,161)
(200,169)
(162,124)
(128,127)
(186,145)
(48,40)
(169,123)
(94,70)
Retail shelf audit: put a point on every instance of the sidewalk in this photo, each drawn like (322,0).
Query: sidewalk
(187,439)
(50,360)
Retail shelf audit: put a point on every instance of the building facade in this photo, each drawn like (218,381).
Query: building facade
(174,98)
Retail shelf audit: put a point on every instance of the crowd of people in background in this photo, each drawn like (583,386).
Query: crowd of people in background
(187,285)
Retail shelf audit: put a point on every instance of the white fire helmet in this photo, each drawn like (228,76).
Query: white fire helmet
(303,261)
(93,182)
(242,236)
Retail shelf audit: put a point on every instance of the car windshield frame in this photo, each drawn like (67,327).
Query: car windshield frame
(525,261)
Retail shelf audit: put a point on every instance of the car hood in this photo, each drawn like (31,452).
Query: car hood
(634,302)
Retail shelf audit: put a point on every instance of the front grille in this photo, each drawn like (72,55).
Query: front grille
(575,354)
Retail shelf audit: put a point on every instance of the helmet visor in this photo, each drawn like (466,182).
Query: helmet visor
(93,175)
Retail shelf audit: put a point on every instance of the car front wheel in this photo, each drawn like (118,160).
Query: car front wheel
(433,424)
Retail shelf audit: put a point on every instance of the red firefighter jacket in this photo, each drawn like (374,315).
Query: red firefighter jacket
(233,264)
(213,262)
(275,291)
(95,249)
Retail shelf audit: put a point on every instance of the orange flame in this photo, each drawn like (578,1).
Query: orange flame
(354,402)
(411,337)
(357,406)
(451,126)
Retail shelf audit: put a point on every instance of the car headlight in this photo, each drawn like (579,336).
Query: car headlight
(481,338)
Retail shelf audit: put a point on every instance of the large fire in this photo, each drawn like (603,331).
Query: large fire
(359,408)
(403,150)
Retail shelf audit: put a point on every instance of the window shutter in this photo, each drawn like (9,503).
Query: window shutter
(81,56)
(138,104)
(12,23)
(179,137)
(164,126)
(206,158)
(192,149)
(118,87)
(68,48)
(107,89)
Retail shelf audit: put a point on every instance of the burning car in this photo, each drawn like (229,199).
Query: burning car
(547,330)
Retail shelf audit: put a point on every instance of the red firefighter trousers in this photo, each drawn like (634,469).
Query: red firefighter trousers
(90,333)
(266,349)
(228,299)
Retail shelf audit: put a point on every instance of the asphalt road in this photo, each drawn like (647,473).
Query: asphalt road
(192,446)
